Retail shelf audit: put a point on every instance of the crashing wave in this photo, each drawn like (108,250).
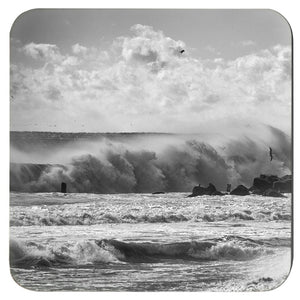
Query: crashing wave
(133,163)
(97,252)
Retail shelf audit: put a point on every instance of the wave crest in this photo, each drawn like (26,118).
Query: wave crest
(170,163)
(93,253)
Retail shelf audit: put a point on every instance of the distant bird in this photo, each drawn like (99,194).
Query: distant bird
(271,153)
(182,51)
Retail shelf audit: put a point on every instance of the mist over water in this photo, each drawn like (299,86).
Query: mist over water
(141,163)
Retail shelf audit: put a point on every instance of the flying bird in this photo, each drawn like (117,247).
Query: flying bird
(271,153)
(182,51)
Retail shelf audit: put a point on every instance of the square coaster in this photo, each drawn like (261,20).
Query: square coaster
(151,150)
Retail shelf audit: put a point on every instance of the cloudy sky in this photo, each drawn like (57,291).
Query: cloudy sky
(123,70)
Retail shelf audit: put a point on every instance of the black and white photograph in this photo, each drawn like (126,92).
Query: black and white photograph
(151,150)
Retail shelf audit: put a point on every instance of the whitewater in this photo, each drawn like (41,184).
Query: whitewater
(142,242)
(110,233)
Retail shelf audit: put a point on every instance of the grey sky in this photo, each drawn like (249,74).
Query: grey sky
(80,58)
(223,30)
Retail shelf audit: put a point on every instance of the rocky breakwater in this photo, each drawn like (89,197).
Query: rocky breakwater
(265,185)
(272,185)
(240,190)
(210,190)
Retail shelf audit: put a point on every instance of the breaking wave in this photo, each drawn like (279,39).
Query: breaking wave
(106,251)
(227,248)
(145,163)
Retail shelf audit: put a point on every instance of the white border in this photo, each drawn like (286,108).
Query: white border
(9,12)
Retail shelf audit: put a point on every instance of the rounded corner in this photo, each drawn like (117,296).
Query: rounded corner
(20,16)
(18,283)
(284,19)
(284,279)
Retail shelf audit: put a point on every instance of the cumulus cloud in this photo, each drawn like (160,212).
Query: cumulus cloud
(42,51)
(143,82)
(150,47)
(79,49)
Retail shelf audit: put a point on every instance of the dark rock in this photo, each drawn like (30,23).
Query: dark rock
(211,188)
(263,182)
(240,190)
(272,193)
(269,178)
(284,185)
(63,187)
(199,190)
(255,191)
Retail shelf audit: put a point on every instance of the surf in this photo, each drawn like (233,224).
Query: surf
(109,251)
(143,163)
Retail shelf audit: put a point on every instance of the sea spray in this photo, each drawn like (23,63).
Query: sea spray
(148,162)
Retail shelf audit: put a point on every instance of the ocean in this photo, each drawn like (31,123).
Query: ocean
(109,232)
(146,242)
